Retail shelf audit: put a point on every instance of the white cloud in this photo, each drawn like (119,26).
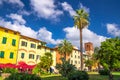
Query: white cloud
(46,9)
(17,18)
(113,29)
(1,1)
(42,34)
(46,35)
(72,34)
(18,2)
(24,12)
(24,30)
(67,7)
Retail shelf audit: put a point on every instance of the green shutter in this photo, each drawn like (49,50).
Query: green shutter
(22,55)
(13,42)
(2,54)
(4,40)
(11,55)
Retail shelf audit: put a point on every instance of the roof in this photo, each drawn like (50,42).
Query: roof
(32,39)
(9,29)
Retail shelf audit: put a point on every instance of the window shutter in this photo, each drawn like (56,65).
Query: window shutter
(4,40)
(11,55)
(13,42)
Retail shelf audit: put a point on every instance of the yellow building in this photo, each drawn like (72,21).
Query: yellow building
(43,49)
(27,51)
(30,50)
(75,57)
(9,41)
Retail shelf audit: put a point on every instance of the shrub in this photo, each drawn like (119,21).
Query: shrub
(65,68)
(78,75)
(103,72)
(9,70)
(36,70)
(23,76)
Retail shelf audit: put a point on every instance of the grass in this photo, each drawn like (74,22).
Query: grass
(0,78)
(92,76)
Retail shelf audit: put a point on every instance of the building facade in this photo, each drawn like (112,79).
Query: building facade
(75,58)
(27,51)
(9,41)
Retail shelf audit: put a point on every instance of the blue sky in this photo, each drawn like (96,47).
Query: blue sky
(52,20)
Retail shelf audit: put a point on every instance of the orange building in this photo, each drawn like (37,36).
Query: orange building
(74,57)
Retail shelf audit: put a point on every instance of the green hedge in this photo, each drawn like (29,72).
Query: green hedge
(78,75)
(103,72)
(23,76)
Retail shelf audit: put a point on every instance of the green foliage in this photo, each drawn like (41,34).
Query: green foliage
(46,61)
(9,70)
(89,63)
(103,72)
(36,70)
(78,75)
(23,76)
(81,19)
(65,68)
(65,48)
(109,53)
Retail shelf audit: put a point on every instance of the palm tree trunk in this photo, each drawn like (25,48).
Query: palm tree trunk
(65,56)
(81,49)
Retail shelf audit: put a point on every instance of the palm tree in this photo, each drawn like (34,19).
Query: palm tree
(81,21)
(65,48)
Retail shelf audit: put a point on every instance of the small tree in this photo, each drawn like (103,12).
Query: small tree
(65,68)
(109,54)
(46,61)
(65,48)
(89,64)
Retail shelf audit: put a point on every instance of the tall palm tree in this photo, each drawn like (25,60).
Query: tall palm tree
(65,48)
(81,21)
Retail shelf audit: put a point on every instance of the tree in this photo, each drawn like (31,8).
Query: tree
(65,48)
(81,21)
(46,61)
(109,55)
(96,56)
(65,68)
(89,64)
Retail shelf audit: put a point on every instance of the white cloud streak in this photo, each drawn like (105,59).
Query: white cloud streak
(67,7)
(17,2)
(113,29)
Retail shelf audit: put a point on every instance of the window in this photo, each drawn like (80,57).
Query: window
(75,62)
(4,40)
(38,47)
(45,49)
(37,57)
(71,61)
(13,42)
(11,55)
(22,55)
(1,54)
(31,56)
(75,56)
(51,51)
(33,45)
(23,43)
